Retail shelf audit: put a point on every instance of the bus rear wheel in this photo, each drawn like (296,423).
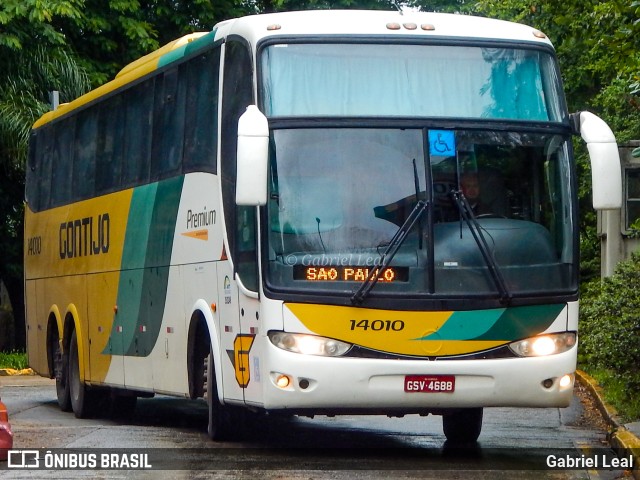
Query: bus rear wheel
(221,425)
(82,398)
(61,372)
(463,426)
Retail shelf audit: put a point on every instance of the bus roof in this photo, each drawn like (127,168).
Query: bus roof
(314,23)
(377,22)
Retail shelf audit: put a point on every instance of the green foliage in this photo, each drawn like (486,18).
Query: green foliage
(24,93)
(33,61)
(27,21)
(610,327)
(616,393)
(15,359)
(290,5)
(112,33)
(634,229)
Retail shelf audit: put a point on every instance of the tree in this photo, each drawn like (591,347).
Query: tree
(266,6)
(112,33)
(33,61)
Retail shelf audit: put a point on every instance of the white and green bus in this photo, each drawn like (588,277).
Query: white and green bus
(315,213)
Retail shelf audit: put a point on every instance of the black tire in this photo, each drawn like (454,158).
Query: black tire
(463,426)
(223,421)
(61,372)
(82,400)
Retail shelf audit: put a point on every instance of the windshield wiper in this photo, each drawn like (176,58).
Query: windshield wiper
(394,245)
(476,231)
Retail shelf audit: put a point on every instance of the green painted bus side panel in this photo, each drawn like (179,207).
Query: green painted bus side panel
(145,268)
(157,261)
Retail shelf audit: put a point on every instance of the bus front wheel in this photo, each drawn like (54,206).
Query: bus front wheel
(221,421)
(463,426)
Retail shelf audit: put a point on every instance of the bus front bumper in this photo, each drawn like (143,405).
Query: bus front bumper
(313,384)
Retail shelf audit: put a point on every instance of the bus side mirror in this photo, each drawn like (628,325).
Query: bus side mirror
(252,158)
(606,174)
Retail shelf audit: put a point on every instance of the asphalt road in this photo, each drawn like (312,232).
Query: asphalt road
(515,443)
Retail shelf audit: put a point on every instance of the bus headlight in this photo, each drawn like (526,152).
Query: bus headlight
(309,344)
(544,345)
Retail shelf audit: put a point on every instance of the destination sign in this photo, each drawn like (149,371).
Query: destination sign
(349,274)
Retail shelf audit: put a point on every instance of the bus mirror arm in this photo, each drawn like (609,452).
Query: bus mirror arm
(252,158)
(606,173)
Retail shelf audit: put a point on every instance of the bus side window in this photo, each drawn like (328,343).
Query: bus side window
(39,172)
(109,158)
(137,134)
(168,125)
(84,162)
(201,124)
(237,94)
(31,192)
(61,161)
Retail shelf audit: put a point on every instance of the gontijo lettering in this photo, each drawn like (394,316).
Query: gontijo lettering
(84,236)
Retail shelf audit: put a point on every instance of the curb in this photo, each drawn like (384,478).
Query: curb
(10,372)
(622,440)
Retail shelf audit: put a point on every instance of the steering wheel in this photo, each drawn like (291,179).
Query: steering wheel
(490,215)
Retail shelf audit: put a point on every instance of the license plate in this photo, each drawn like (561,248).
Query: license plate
(430,383)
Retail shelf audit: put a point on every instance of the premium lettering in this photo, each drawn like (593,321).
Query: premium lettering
(200,219)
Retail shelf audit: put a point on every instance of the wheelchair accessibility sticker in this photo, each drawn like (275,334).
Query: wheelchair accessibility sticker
(442,143)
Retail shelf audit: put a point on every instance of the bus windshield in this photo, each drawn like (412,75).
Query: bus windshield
(337,196)
(410,80)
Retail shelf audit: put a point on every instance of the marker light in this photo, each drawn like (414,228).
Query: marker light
(539,34)
(309,344)
(544,345)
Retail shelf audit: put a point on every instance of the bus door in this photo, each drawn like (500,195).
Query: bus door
(245,359)
(228,314)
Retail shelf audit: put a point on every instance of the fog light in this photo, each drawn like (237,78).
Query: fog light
(282,381)
(548,383)
(566,381)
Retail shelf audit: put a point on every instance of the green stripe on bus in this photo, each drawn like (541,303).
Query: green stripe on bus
(466,325)
(145,268)
(186,50)
(522,322)
(508,324)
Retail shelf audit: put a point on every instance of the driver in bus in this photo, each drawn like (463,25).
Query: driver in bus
(480,204)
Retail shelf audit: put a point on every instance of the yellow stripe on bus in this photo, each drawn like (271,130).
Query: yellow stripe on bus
(388,331)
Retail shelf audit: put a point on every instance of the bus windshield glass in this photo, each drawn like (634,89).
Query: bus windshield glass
(337,196)
(323,79)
